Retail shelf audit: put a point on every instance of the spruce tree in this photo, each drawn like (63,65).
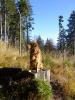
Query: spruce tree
(9,12)
(71,34)
(61,44)
(40,41)
(25,13)
(49,47)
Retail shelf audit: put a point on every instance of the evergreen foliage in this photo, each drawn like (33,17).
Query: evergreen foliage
(10,12)
(49,47)
(40,41)
(71,34)
(61,45)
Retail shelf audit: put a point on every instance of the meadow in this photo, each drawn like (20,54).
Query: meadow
(62,71)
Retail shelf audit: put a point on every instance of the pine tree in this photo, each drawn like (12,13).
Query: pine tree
(71,34)
(40,41)
(61,45)
(12,24)
(8,8)
(25,12)
(49,47)
(29,28)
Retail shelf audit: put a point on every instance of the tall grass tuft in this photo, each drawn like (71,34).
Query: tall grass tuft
(10,57)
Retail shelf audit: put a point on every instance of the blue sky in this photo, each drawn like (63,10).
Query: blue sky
(45,14)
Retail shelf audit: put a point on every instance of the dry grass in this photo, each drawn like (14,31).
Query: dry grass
(62,71)
(10,57)
(65,76)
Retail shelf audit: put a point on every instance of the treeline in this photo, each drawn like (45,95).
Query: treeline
(46,46)
(66,39)
(15,21)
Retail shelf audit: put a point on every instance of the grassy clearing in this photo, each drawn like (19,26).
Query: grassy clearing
(66,77)
(10,57)
(62,71)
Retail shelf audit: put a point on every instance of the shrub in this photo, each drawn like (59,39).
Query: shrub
(43,88)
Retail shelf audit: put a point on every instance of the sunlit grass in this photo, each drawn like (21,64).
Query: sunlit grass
(63,70)
(10,57)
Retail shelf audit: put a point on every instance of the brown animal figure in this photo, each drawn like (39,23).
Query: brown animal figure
(35,56)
